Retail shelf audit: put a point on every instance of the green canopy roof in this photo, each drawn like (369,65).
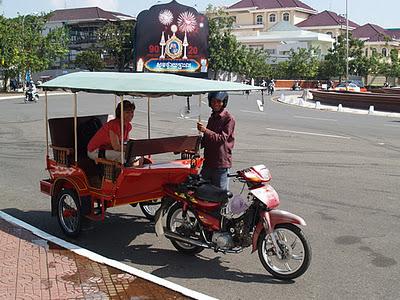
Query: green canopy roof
(140,84)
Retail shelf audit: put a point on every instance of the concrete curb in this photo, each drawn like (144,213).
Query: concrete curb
(299,101)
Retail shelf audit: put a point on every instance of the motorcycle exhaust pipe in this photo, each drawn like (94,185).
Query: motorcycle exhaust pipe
(174,236)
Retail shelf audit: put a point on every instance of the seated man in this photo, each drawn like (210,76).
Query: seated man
(106,143)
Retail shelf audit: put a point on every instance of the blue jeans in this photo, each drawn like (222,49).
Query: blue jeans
(217,176)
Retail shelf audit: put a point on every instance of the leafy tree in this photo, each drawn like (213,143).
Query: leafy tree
(222,43)
(335,60)
(391,68)
(358,63)
(89,59)
(116,39)
(227,54)
(280,70)
(256,64)
(303,63)
(24,46)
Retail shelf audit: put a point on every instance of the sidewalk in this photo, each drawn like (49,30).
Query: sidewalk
(35,265)
(6,96)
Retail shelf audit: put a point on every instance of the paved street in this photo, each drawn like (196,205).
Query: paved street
(339,171)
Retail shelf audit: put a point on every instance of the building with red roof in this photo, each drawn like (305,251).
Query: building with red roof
(82,24)
(377,39)
(327,22)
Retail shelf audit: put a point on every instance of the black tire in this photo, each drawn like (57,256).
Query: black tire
(69,213)
(265,253)
(185,248)
(149,208)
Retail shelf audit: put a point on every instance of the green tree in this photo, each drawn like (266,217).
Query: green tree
(116,39)
(358,63)
(303,63)
(335,60)
(221,42)
(280,70)
(25,46)
(227,54)
(391,68)
(89,59)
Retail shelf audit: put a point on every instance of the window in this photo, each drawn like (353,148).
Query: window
(272,18)
(384,52)
(233,18)
(330,33)
(366,52)
(257,47)
(259,20)
(286,17)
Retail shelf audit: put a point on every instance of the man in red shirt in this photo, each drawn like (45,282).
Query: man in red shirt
(108,138)
(218,141)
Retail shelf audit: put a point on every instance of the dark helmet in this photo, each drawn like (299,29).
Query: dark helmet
(223,96)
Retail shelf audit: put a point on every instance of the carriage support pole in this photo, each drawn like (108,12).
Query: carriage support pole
(121,98)
(76,126)
(148,117)
(46,124)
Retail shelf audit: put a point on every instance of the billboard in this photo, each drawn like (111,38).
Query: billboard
(172,38)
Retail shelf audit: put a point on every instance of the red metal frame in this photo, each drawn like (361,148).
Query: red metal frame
(133,184)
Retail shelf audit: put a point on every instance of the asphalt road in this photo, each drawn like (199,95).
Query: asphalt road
(339,171)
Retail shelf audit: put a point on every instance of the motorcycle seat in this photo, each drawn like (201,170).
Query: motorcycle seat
(209,192)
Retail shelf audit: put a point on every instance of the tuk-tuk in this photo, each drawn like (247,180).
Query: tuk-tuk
(81,187)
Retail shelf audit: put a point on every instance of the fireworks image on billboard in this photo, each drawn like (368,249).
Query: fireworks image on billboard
(177,41)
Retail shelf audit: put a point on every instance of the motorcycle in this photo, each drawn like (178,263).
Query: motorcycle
(201,216)
(31,94)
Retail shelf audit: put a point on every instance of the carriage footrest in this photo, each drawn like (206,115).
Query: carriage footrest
(45,186)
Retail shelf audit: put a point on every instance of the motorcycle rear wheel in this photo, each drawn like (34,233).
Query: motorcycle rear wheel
(296,252)
(175,220)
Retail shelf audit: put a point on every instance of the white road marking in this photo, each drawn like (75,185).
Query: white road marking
(252,112)
(311,133)
(104,260)
(192,119)
(318,119)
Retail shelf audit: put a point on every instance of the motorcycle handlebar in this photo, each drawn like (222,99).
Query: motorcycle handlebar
(236,175)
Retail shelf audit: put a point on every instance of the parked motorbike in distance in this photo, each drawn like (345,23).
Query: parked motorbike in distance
(31,94)
(201,216)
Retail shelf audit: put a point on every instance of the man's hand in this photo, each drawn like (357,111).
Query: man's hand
(201,127)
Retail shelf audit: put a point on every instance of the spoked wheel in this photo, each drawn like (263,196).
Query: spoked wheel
(186,225)
(69,213)
(150,208)
(295,252)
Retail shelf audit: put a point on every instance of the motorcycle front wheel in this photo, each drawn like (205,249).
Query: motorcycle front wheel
(185,225)
(295,252)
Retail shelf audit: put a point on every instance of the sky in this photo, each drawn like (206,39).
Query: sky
(360,11)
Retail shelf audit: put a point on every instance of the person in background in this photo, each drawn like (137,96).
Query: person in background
(218,141)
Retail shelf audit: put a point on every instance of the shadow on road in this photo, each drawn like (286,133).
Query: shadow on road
(115,238)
